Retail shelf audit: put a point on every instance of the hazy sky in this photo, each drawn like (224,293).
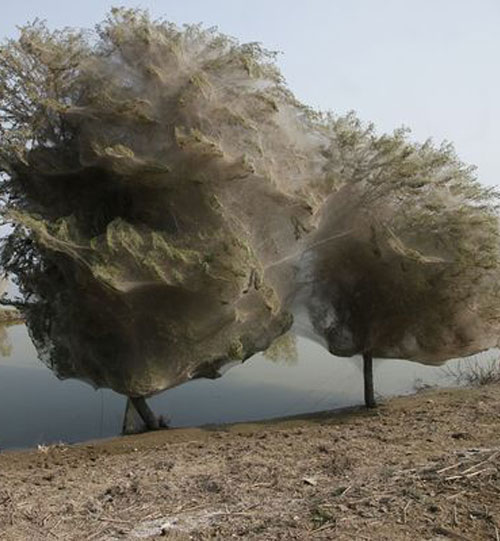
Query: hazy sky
(432,65)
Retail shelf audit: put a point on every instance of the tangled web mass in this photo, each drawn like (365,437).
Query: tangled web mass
(175,209)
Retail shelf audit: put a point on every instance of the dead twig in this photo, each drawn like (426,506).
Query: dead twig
(453,496)
(51,531)
(473,474)
(115,520)
(470,475)
(489,459)
(442,470)
(345,491)
(405,508)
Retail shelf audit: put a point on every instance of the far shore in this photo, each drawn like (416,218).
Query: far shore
(11,316)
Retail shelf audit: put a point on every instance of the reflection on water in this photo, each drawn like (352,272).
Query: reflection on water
(35,407)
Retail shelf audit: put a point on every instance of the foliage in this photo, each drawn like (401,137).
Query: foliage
(283,350)
(406,260)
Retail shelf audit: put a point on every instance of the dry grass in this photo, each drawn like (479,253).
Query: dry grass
(475,373)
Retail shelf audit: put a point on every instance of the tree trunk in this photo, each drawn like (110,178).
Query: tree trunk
(146,413)
(368,379)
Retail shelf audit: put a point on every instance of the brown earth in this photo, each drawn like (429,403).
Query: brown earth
(419,467)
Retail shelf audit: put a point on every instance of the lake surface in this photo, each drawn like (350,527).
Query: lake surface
(37,408)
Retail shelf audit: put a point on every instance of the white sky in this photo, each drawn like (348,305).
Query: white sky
(432,65)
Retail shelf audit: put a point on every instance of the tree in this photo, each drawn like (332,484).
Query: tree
(153,176)
(405,263)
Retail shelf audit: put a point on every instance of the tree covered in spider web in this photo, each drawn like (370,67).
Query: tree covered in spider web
(152,174)
(405,260)
(174,208)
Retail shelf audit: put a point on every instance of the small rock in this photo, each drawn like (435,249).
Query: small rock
(460,435)
(310,481)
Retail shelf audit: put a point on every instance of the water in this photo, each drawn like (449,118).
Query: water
(37,408)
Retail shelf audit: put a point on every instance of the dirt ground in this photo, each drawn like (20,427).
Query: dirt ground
(420,467)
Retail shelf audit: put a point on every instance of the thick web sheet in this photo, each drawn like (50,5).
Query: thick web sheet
(175,209)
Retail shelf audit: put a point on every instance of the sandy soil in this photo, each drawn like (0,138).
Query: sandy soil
(420,467)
